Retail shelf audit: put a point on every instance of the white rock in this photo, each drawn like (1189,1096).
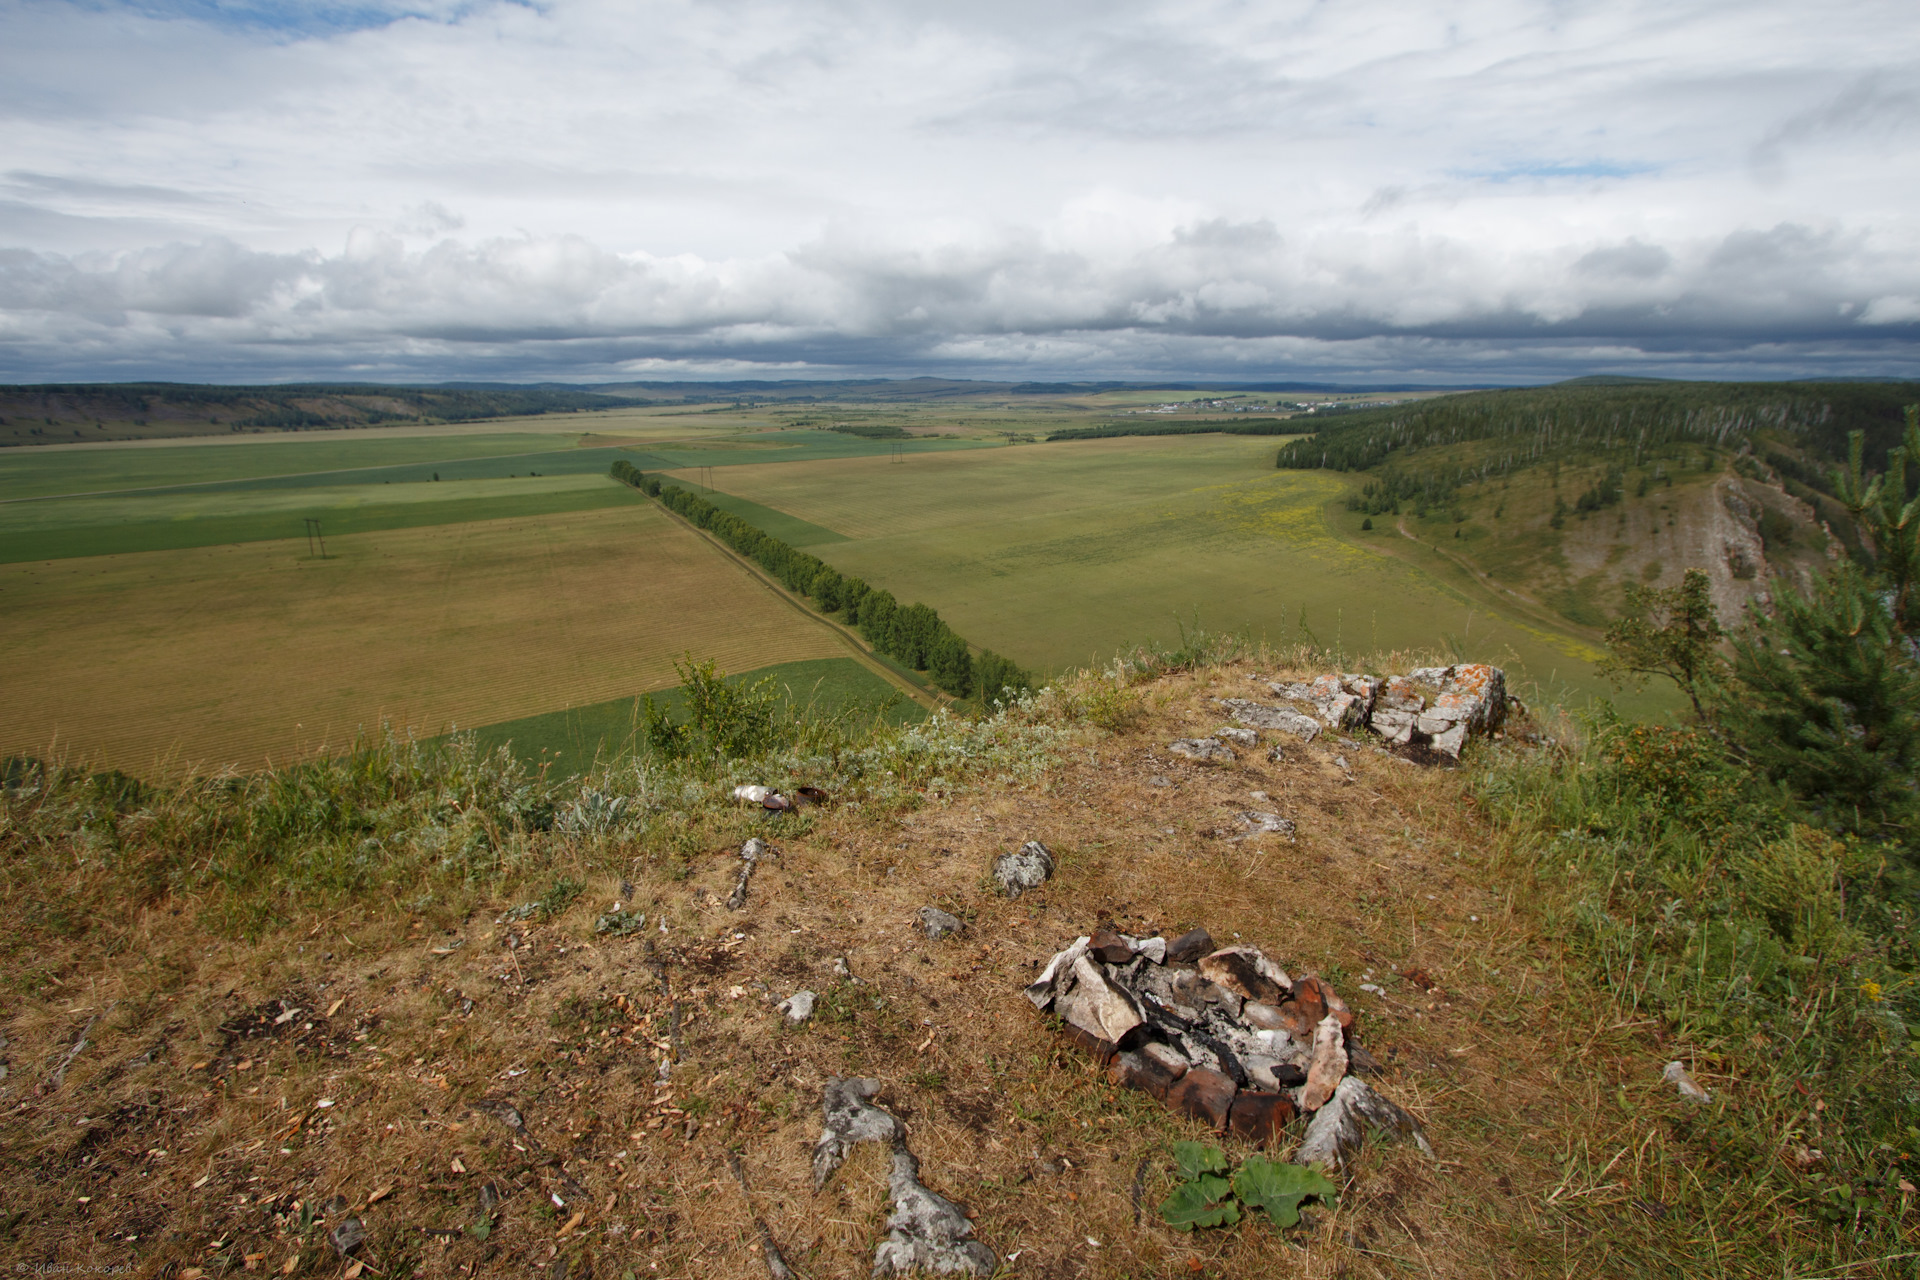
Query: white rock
(1677,1074)
(798,1007)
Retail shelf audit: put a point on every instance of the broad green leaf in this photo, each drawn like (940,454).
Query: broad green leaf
(481,1229)
(1201,1203)
(1196,1158)
(1279,1188)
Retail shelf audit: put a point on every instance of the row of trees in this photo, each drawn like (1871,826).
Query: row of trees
(914,634)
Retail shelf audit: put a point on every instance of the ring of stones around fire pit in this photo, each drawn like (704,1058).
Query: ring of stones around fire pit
(1223,1035)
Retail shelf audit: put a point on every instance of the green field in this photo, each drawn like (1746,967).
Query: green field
(570,741)
(1058,555)
(168,609)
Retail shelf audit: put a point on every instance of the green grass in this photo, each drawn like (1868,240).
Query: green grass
(791,530)
(573,741)
(32,473)
(78,527)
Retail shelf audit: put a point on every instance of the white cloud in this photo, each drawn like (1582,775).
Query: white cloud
(584,189)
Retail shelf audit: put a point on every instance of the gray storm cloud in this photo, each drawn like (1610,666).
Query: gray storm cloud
(581,191)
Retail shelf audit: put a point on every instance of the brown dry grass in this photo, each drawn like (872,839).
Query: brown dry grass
(249,653)
(189,1132)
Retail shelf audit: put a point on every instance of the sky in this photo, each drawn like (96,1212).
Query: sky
(1473,192)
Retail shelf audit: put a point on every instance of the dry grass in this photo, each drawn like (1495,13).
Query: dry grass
(189,1131)
(249,653)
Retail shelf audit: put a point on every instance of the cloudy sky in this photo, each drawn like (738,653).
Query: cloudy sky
(591,190)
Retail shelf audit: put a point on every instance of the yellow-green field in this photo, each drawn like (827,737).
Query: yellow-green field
(159,603)
(1059,554)
(245,653)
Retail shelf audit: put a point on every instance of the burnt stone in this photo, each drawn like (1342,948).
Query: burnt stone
(1239,970)
(1189,947)
(1260,1118)
(1099,1050)
(1140,1071)
(1108,947)
(1204,1094)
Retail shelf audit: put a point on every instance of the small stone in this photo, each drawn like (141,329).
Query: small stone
(1238,737)
(1204,1094)
(1276,756)
(841,971)
(1028,868)
(1154,949)
(798,1007)
(1190,946)
(1132,1070)
(1265,1017)
(1203,750)
(1108,947)
(1327,1067)
(937,924)
(1247,973)
(1259,1117)
(1676,1073)
(347,1236)
(1158,781)
(1171,1059)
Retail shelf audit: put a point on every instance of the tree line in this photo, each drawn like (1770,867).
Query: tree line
(1625,424)
(914,635)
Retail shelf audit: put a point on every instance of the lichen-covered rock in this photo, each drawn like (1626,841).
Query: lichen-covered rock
(1202,750)
(1284,719)
(938,924)
(1026,868)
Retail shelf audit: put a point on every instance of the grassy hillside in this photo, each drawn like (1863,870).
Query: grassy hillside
(1562,495)
(241,1011)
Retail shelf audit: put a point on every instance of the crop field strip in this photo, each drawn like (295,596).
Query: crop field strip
(1059,554)
(240,654)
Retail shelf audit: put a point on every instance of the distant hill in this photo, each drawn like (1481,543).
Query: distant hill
(65,412)
(1559,495)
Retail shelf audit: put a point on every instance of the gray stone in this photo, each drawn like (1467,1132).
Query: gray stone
(1258,822)
(849,1119)
(347,1236)
(937,924)
(1027,868)
(798,1007)
(1154,949)
(1204,750)
(750,854)
(1097,1005)
(1335,1132)
(1057,976)
(926,1233)
(1238,737)
(1260,716)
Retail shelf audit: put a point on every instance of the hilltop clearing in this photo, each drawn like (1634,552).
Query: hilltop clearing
(423,993)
